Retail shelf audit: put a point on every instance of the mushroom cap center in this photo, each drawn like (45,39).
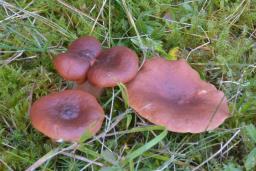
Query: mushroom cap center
(69,111)
(86,54)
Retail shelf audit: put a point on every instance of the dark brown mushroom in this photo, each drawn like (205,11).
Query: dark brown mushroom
(81,54)
(67,115)
(115,65)
(171,94)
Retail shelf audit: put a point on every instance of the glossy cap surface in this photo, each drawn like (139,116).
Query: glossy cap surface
(67,115)
(74,64)
(171,94)
(115,65)
(87,47)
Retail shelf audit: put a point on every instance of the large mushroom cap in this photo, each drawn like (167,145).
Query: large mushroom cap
(71,67)
(171,94)
(67,115)
(87,47)
(114,65)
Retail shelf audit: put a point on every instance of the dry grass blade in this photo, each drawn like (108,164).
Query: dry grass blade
(218,152)
(50,155)
(6,165)
(79,12)
(82,159)
(130,18)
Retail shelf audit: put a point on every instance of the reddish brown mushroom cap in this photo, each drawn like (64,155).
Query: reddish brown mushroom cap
(71,67)
(67,115)
(171,94)
(87,47)
(115,65)
(73,64)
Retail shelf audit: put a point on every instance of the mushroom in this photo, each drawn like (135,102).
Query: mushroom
(67,115)
(115,65)
(171,94)
(71,66)
(87,47)
(74,64)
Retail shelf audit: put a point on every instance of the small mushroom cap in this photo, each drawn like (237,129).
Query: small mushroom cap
(171,94)
(67,115)
(71,67)
(115,65)
(87,47)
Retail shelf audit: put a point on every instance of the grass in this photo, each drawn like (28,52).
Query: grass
(217,37)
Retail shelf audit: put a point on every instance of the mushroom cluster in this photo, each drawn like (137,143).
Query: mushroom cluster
(166,93)
(66,115)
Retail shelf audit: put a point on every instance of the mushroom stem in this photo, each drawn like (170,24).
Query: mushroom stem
(89,87)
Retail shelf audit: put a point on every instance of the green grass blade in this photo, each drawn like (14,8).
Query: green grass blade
(251,132)
(147,146)
(250,161)
(124,94)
